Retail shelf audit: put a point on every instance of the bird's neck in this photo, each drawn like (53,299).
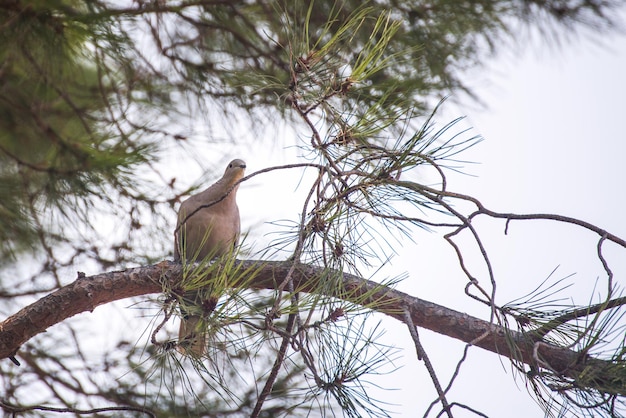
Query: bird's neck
(224,191)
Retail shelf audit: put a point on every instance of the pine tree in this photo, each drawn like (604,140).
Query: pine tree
(100,99)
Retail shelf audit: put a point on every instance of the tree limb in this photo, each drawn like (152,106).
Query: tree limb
(87,293)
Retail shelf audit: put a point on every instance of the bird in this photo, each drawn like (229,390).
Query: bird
(208,227)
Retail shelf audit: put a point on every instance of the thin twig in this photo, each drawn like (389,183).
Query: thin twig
(278,362)
(606,267)
(241,180)
(421,355)
(578,313)
(17,409)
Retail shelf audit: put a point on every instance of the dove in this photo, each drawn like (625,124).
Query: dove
(208,227)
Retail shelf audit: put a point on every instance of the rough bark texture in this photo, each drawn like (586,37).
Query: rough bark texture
(87,293)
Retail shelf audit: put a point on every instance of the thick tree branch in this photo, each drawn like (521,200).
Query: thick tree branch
(87,293)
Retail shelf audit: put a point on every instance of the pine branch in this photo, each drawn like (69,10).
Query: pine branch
(87,293)
(577,313)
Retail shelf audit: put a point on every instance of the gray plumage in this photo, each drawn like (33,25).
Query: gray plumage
(206,233)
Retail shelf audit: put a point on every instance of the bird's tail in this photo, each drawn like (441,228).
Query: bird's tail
(191,336)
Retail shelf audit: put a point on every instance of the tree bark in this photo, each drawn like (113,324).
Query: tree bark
(87,293)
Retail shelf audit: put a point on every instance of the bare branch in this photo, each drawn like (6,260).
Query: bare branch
(422,355)
(19,409)
(278,362)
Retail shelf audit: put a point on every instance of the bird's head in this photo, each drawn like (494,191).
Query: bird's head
(234,171)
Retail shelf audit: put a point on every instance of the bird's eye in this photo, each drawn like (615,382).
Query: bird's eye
(230,166)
